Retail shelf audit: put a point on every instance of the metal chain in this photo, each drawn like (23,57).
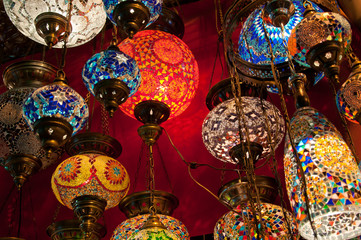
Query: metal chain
(87,126)
(105,120)
(223,173)
(164,168)
(152,181)
(287,122)
(139,164)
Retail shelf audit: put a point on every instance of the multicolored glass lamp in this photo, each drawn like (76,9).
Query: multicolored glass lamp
(20,150)
(69,229)
(136,208)
(55,112)
(45,22)
(349,95)
(220,129)
(240,223)
(90,181)
(323,38)
(132,16)
(329,187)
(111,76)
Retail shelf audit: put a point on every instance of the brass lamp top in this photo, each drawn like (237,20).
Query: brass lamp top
(153,221)
(65,227)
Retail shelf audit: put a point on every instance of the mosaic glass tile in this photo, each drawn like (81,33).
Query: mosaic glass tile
(154,234)
(168,68)
(88,18)
(332,177)
(154,7)
(220,129)
(59,101)
(233,225)
(15,135)
(111,64)
(90,174)
(132,225)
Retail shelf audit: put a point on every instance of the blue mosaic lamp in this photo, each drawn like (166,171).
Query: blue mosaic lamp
(132,16)
(55,112)
(111,76)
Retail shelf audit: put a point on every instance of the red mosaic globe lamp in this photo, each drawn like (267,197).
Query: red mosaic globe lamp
(169,74)
(90,181)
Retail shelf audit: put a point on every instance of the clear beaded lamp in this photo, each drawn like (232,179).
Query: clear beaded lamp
(111,76)
(331,174)
(133,16)
(323,38)
(220,129)
(45,22)
(168,68)
(55,112)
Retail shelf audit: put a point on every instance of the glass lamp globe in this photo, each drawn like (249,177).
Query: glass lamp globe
(111,76)
(168,68)
(87,19)
(349,95)
(332,177)
(133,16)
(133,225)
(252,45)
(55,112)
(233,224)
(220,129)
(90,174)
(323,38)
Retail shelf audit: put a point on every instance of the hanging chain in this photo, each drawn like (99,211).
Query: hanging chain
(287,122)
(223,173)
(139,164)
(285,44)
(164,168)
(218,13)
(152,181)
(105,120)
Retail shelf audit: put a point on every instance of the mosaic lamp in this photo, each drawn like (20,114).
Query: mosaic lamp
(169,74)
(136,208)
(348,96)
(240,223)
(55,112)
(20,150)
(91,180)
(111,76)
(46,22)
(333,180)
(323,37)
(132,16)
(220,129)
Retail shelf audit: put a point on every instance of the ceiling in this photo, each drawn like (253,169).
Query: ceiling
(198,210)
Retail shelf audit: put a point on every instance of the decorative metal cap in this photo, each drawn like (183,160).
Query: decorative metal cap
(151,111)
(234,192)
(153,222)
(140,202)
(279,11)
(92,142)
(30,73)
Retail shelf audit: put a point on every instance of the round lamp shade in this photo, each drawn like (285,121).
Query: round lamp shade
(133,225)
(168,68)
(90,174)
(15,135)
(87,18)
(55,100)
(319,28)
(154,234)
(111,64)
(220,129)
(253,46)
(348,98)
(332,177)
(233,225)
(154,7)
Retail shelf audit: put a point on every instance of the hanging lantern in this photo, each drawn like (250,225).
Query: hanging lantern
(323,38)
(91,181)
(240,223)
(55,112)
(45,22)
(169,73)
(69,229)
(111,76)
(331,174)
(348,97)
(132,16)
(20,150)
(220,129)
(136,208)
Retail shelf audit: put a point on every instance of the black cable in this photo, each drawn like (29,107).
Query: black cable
(20,201)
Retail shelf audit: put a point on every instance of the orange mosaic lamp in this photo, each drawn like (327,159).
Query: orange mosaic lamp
(169,72)
(90,181)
